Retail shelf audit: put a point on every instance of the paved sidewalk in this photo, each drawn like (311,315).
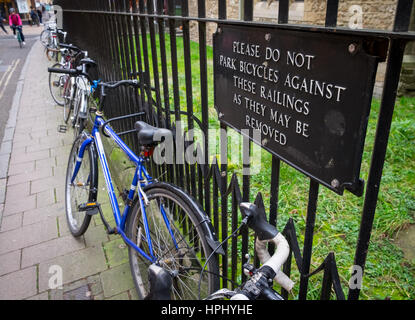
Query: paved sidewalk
(35,243)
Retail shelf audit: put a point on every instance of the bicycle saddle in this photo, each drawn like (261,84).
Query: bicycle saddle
(149,135)
(89,62)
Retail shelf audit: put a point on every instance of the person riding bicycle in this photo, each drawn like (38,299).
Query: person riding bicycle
(16,23)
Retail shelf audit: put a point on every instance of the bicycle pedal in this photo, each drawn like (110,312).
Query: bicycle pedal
(62,128)
(90,208)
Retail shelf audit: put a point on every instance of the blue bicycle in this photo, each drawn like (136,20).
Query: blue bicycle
(161,224)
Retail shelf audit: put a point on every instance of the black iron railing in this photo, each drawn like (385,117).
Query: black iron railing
(128,39)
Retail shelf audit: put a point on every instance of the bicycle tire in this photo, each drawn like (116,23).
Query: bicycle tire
(185,284)
(84,188)
(55,81)
(69,102)
(44,37)
(79,127)
(76,106)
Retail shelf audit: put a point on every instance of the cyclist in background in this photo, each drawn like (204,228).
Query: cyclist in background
(16,23)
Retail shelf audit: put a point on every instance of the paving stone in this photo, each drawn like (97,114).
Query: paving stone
(49,162)
(11,222)
(22,168)
(56,294)
(120,296)
(2,190)
(63,226)
(133,294)
(47,183)
(95,285)
(42,214)
(40,296)
(4,164)
(99,297)
(44,145)
(81,293)
(6,147)
(28,235)
(95,236)
(116,252)
(51,249)
(18,285)
(8,134)
(45,198)
(30,176)
(76,265)
(10,262)
(12,207)
(16,192)
(74,285)
(117,280)
(27,157)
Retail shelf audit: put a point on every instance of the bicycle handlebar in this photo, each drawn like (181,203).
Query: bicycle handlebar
(261,280)
(70,46)
(133,83)
(66,71)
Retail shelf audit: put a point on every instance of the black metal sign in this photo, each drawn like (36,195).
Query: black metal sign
(308,94)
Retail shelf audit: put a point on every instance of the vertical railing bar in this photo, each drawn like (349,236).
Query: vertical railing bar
(131,70)
(133,74)
(153,120)
(331,13)
(204,95)
(393,69)
(308,239)
(224,172)
(118,69)
(189,87)
(138,56)
(154,59)
(165,77)
(176,96)
(283,11)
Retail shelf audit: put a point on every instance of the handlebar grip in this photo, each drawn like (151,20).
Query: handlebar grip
(66,71)
(257,221)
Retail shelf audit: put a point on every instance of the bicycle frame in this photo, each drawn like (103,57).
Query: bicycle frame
(141,178)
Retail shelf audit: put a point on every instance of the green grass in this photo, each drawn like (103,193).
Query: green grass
(387,273)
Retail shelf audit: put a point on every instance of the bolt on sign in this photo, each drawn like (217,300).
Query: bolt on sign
(308,93)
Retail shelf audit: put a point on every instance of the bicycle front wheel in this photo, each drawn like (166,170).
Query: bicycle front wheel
(56,85)
(177,239)
(83,189)
(69,95)
(44,37)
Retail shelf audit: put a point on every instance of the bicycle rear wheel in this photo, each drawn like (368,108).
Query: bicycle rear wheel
(83,190)
(186,256)
(56,85)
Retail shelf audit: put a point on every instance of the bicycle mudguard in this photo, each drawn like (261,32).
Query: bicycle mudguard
(204,221)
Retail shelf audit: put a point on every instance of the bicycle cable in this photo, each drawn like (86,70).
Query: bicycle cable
(243,222)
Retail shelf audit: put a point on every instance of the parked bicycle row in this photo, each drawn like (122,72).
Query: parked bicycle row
(173,247)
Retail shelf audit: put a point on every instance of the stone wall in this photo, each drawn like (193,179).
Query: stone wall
(374,14)
(232,12)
